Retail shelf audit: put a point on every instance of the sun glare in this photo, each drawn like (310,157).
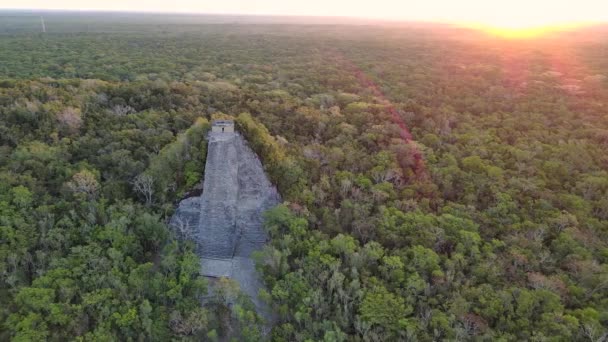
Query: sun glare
(529,19)
(518,32)
(521,29)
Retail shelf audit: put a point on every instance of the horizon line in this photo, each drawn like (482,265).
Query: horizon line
(374,19)
(213,13)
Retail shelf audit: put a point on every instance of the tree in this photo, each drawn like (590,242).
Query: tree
(383,308)
(70,118)
(194,323)
(85,183)
(183,227)
(143,184)
(22,197)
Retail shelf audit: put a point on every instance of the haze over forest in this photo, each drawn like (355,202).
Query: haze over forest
(437,181)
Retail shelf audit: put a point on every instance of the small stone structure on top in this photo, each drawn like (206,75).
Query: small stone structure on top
(222,126)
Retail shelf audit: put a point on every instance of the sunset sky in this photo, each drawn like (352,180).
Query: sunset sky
(500,13)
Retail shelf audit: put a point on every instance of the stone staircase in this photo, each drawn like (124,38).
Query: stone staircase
(256,195)
(217,226)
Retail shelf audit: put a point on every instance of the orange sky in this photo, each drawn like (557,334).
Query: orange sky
(500,13)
